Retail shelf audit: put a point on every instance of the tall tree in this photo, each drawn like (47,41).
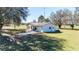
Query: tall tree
(76,15)
(47,20)
(58,17)
(53,18)
(41,18)
(12,14)
(62,17)
(67,16)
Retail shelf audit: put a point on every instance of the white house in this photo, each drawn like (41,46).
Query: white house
(42,27)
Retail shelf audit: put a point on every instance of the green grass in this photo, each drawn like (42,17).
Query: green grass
(53,41)
(71,37)
(14,30)
(16,27)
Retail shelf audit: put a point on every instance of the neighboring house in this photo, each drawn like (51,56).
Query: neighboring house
(42,27)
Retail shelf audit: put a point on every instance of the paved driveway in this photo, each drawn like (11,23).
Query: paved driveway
(27,33)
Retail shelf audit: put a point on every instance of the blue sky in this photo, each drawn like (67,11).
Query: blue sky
(35,12)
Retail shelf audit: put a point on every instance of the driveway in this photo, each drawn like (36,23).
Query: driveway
(27,33)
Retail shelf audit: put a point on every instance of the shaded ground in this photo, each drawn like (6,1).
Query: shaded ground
(31,43)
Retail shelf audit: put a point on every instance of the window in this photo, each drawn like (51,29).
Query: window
(49,27)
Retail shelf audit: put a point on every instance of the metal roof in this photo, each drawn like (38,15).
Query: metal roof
(38,24)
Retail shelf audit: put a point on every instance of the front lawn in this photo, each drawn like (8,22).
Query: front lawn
(67,40)
(71,38)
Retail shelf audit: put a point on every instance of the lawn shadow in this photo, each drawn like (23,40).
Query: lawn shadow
(31,43)
(42,43)
(57,31)
(54,32)
(7,44)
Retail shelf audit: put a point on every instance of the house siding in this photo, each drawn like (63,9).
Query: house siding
(45,28)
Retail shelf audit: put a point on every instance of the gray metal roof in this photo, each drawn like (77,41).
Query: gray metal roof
(38,24)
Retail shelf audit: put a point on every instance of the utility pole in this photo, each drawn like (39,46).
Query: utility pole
(44,12)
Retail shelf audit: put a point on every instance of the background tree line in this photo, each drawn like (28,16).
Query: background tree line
(62,17)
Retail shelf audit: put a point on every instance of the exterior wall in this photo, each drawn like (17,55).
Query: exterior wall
(39,29)
(46,28)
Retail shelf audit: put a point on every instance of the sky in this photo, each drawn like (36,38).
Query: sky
(35,12)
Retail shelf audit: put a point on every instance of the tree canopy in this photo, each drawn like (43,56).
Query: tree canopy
(41,18)
(12,14)
(62,17)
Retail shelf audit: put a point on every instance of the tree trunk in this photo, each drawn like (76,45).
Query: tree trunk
(72,25)
(59,26)
(1,25)
(72,28)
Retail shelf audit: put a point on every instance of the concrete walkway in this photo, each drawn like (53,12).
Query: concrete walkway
(31,32)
